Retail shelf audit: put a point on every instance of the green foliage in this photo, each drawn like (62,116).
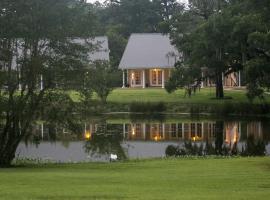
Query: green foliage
(101,78)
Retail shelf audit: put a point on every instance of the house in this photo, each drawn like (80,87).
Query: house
(147,60)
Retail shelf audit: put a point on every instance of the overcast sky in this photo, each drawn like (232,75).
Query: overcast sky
(104,0)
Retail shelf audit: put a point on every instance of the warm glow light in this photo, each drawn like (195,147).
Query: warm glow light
(194,139)
(87,135)
(132,76)
(133,131)
(235,138)
(157,138)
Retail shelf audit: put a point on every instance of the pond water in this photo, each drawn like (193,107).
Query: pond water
(131,137)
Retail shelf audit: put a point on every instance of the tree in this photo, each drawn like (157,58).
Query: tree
(101,78)
(35,42)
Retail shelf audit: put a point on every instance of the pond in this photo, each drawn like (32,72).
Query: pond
(136,137)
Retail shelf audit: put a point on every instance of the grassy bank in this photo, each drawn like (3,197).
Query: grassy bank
(137,100)
(238,178)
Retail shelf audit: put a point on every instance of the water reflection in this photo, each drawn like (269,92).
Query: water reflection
(142,139)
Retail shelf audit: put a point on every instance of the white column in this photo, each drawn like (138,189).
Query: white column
(240,129)
(42,130)
(163,131)
(124,85)
(202,83)
(202,130)
(143,79)
(144,135)
(239,78)
(41,82)
(124,131)
(20,85)
(223,78)
(163,78)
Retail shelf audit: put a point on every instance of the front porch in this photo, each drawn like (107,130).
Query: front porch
(142,78)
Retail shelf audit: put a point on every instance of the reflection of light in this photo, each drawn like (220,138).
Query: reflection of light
(234,138)
(157,138)
(87,135)
(133,131)
(196,138)
(132,76)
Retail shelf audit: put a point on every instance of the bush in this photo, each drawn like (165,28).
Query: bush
(171,150)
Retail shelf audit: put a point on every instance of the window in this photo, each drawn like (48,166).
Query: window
(136,78)
(180,131)
(199,130)
(193,129)
(186,129)
(156,77)
(173,130)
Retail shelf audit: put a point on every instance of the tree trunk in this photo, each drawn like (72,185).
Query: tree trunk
(219,86)
(7,154)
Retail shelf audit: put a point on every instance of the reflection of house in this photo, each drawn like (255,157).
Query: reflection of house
(196,131)
(178,131)
(148,60)
(232,132)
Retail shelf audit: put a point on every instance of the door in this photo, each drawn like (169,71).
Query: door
(156,77)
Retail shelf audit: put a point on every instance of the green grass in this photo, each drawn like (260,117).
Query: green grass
(205,96)
(160,95)
(237,178)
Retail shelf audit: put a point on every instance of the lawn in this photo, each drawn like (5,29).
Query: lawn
(204,96)
(237,178)
(160,95)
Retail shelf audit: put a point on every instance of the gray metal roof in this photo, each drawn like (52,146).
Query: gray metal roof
(149,50)
(101,47)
